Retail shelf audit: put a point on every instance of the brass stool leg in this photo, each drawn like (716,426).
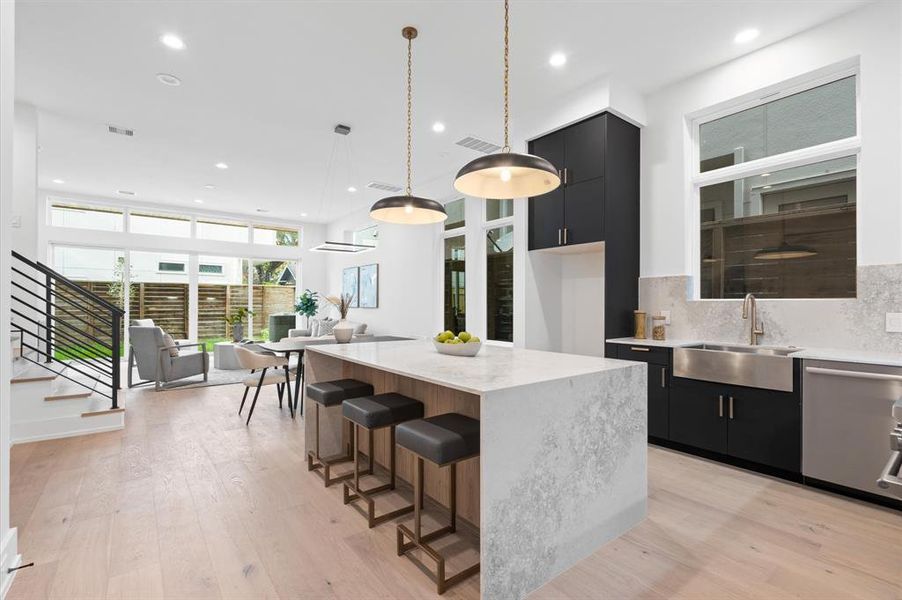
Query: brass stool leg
(352,490)
(315,462)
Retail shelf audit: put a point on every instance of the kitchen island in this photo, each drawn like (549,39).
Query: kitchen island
(562,465)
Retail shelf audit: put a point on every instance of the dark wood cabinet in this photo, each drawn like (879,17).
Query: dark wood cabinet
(755,425)
(658,361)
(598,200)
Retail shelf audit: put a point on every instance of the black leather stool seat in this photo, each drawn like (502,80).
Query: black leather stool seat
(441,439)
(381,410)
(333,393)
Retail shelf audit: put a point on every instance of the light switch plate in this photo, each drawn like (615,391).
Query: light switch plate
(894,322)
(16,221)
(666,314)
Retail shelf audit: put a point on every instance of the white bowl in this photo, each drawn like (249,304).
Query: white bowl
(467,349)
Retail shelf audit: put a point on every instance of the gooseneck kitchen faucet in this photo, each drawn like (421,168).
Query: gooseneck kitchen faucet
(750,312)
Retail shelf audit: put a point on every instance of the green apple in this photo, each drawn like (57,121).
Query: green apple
(444,336)
(464,336)
(474,340)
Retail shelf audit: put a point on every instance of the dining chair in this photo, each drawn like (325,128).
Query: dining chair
(269,366)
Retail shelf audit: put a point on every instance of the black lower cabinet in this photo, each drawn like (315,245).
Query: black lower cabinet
(754,425)
(696,415)
(658,402)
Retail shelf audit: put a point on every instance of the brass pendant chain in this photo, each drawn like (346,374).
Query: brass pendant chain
(507,144)
(409,107)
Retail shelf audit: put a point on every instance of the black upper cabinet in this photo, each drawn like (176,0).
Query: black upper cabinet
(584,150)
(548,215)
(584,212)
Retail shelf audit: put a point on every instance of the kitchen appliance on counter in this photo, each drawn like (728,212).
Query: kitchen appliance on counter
(891,478)
(847,414)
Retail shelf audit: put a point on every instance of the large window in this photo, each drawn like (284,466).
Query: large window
(275,236)
(159,290)
(776,185)
(222,231)
(456,210)
(499,283)
(65,214)
(159,224)
(455,284)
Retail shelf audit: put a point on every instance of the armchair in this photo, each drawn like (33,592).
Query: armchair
(155,361)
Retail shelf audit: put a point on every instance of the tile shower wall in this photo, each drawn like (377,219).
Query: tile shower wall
(854,324)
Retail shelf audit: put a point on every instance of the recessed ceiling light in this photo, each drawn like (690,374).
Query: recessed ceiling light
(765,174)
(767,187)
(198,200)
(438,127)
(167,79)
(558,59)
(221,165)
(262,210)
(170,40)
(57,181)
(352,189)
(746,35)
(126,193)
(209,186)
(303,214)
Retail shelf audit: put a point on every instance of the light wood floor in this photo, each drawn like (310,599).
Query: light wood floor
(188,503)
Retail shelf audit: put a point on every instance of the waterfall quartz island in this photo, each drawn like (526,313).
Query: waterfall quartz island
(562,465)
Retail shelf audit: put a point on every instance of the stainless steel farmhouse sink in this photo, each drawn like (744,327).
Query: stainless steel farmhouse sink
(765,367)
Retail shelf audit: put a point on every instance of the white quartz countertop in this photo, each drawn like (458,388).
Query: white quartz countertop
(836,354)
(658,343)
(494,368)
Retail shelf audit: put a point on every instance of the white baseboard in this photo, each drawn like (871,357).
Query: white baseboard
(9,558)
(63,427)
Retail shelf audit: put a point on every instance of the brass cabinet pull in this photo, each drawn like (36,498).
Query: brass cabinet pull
(731,407)
(638,349)
(663,384)
(558,237)
(720,406)
(565,236)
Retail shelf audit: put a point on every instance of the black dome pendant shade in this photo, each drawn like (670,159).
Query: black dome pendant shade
(507,174)
(408,209)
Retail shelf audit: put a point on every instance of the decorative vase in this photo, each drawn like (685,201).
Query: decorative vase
(237,332)
(343,331)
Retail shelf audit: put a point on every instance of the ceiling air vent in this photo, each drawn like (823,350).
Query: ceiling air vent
(385,187)
(480,145)
(121,130)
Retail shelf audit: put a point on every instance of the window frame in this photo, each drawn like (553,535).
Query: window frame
(696,179)
(485,227)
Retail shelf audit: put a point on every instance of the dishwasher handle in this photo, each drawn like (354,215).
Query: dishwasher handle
(853,374)
(890,475)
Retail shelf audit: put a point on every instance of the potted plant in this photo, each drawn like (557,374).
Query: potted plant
(236,320)
(343,331)
(307,305)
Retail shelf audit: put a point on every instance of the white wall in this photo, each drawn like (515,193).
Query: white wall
(582,303)
(25,180)
(408,278)
(871,33)
(8,552)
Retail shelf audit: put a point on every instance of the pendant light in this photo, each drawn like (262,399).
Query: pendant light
(408,209)
(507,174)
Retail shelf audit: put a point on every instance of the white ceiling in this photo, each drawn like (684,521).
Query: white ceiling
(265,82)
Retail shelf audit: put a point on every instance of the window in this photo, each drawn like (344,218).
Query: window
(171,267)
(158,224)
(222,231)
(455,284)
(208,269)
(499,283)
(498,209)
(368,236)
(455,210)
(64,214)
(275,236)
(777,211)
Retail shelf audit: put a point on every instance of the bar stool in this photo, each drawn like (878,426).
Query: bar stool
(333,393)
(443,440)
(373,413)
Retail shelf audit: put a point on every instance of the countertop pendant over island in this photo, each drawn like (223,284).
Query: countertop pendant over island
(562,465)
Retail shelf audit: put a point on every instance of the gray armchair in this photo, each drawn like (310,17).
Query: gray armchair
(156,364)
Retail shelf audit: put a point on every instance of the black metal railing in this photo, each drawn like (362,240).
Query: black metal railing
(60,322)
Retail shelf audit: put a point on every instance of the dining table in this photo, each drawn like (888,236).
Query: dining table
(289,346)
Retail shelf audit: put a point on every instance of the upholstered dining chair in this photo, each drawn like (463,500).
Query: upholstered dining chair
(269,366)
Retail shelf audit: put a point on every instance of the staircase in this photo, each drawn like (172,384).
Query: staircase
(66,347)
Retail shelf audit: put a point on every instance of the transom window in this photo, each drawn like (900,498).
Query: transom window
(776,189)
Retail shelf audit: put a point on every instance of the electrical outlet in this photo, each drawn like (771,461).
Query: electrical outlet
(894,322)
(666,314)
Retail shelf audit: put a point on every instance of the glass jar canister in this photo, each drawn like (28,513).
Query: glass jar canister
(657,327)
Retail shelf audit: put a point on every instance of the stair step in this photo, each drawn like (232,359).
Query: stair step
(101,406)
(64,389)
(33,373)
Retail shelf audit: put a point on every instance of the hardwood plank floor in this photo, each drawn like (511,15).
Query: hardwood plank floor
(187,502)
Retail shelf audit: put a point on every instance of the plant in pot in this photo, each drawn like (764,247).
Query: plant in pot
(343,331)
(236,320)
(307,306)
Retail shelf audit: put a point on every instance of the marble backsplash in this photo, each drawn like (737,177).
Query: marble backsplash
(853,323)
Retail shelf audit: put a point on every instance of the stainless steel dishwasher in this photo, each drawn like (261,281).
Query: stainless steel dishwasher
(847,419)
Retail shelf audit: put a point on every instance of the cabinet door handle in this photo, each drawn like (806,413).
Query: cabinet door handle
(720,406)
(663,379)
(565,175)
(639,349)
(558,237)
(731,407)
(565,236)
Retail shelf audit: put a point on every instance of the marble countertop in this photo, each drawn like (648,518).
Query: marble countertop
(494,368)
(837,354)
